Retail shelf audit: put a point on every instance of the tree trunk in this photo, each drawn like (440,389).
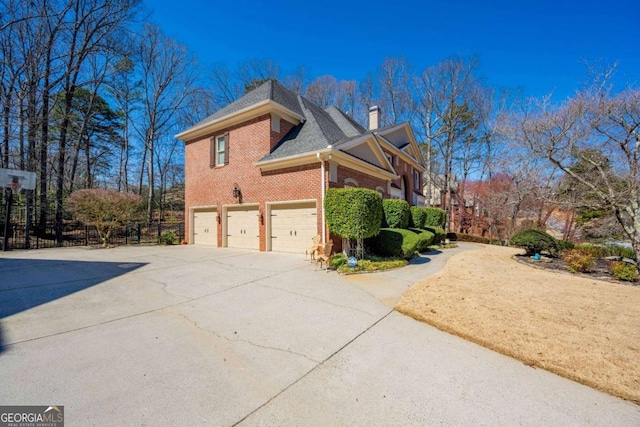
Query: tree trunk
(142,167)
(44,150)
(5,141)
(74,167)
(151,179)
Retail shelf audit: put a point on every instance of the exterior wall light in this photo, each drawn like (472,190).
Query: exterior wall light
(237,194)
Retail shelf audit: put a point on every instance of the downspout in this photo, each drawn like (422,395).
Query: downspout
(322,191)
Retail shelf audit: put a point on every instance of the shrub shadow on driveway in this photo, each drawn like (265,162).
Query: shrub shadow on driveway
(419,260)
(28,283)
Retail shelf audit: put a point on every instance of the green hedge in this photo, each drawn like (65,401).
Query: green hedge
(418,216)
(425,238)
(353,213)
(438,234)
(436,217)
(463,237)
(535,241)
(393,242)
(396,213)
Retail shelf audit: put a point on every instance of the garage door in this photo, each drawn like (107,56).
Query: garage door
(293,227)
(205,228)
(242,228)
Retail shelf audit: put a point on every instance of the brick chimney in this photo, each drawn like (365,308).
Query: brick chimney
(374,117)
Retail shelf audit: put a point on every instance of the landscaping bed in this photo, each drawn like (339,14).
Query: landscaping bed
(601,270)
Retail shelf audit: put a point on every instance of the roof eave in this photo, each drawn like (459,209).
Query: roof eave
(240,116)
(400,152)
(328,153)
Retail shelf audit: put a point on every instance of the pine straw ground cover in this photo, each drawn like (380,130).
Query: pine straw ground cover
(583,329)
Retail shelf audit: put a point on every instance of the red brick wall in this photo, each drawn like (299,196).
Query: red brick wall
(404,169)
(364,180)
(248,143)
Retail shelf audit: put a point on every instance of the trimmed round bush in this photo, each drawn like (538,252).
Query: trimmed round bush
(353,213)
(438,234)
(436,217)
(396,213)
(535,241)
(425,238)
(393,242)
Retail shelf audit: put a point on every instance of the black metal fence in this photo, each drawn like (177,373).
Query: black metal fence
(79,234)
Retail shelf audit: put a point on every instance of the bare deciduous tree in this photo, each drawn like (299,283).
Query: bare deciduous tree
(600,131)
(322,91)
(169,73)
(447,104)
(394,79)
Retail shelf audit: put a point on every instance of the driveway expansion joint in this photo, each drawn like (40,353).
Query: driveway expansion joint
(313,369)
(208,331)
(314,298)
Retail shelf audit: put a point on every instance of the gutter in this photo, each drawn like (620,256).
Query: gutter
(322,191)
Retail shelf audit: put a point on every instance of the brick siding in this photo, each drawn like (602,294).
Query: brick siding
(248,143)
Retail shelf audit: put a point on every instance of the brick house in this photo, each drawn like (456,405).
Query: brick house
(256,171)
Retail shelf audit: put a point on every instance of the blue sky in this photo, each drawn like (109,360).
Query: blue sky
(539,46)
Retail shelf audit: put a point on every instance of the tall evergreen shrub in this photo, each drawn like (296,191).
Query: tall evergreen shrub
(396,213)
(353,213)
(436,217)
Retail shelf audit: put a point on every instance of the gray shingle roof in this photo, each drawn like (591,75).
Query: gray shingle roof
(271,89)
(349,126)
(319,130)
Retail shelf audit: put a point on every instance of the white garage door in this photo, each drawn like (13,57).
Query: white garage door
(243,230)
(205,228)
(293,227)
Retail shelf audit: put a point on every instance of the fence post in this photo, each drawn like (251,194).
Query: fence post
(86,235)
(8,193)
(159,230)
(126,234)
(138,233)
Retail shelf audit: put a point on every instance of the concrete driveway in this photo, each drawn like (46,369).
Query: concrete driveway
(202,336)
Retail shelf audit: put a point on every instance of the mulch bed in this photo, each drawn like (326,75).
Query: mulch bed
(600,271)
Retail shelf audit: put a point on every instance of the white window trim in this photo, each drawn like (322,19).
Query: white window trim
(350,182)
(223,151)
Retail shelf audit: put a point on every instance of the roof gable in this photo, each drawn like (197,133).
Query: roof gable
(400,137)
(366,148)
(271,96)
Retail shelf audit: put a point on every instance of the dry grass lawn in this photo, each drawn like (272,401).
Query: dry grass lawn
(586,330)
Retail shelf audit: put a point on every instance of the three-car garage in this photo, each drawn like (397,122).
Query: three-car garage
(287,226)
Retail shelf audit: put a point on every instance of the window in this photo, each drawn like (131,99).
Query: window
(416,180)
(219,155)
(220,150)
(389,157)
